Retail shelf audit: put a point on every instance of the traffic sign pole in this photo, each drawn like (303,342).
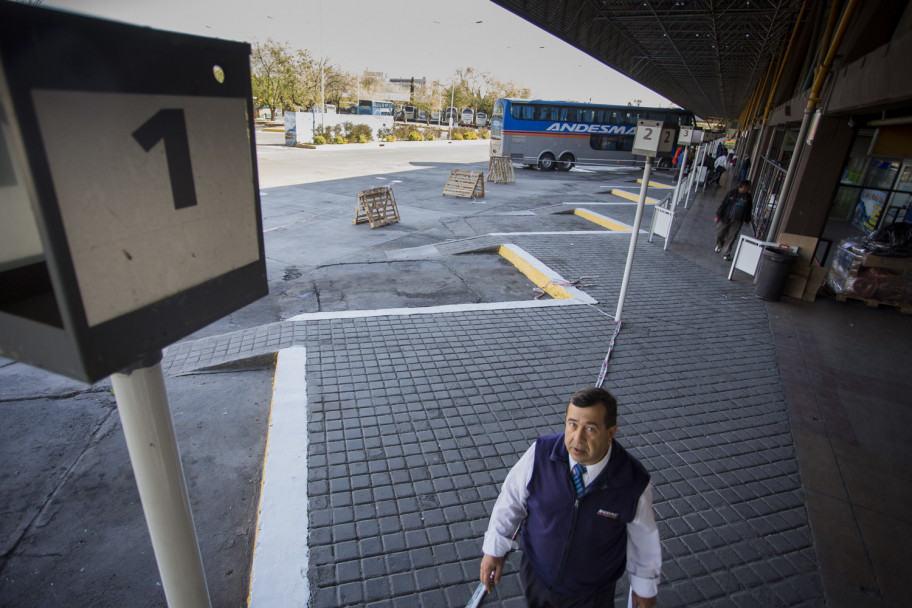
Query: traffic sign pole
(146,418)
(641,205)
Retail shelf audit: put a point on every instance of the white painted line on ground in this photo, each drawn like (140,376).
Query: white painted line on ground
(435,310)
(278,576)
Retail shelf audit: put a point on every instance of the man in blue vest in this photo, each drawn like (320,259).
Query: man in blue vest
(587,506)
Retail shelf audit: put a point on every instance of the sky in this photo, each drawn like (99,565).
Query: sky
(402,38)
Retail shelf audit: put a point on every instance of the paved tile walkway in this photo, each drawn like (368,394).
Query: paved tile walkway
(414,421)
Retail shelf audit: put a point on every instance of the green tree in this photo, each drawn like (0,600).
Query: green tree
(272,69)
(479,90)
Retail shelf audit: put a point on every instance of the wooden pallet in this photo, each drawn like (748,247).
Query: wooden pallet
(376,206)
(500,170)
(467,184)
(903,308)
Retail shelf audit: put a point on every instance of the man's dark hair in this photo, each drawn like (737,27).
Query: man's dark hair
(746,183)
(590,396)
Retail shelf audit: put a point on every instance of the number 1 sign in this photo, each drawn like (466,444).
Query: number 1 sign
(134,165)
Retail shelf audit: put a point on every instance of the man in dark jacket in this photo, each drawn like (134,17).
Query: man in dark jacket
(735,209)
(587,506)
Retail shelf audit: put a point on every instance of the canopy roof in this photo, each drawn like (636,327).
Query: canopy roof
(707,56)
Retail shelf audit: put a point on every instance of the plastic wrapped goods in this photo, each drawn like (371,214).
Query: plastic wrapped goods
(856,272)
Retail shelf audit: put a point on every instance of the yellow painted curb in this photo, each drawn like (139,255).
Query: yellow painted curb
(655,184)
(275,129)
(602,221)
(633,197)
(534,274)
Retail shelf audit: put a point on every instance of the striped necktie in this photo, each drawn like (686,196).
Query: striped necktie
(578,471)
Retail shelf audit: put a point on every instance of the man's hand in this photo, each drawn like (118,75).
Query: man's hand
(491,567)
(642,602)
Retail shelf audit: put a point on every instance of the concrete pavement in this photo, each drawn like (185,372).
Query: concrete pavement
(414,420)
(392,426)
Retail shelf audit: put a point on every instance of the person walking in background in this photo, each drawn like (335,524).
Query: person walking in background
(720,166)
(587,506)
(745,167)
(736,208)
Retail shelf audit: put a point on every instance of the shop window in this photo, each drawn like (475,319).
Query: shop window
(884,196)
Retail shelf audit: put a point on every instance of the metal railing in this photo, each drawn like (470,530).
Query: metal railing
(767,187)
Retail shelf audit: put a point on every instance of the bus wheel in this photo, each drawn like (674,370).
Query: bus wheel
(546,162)
(664,163)
(566,162)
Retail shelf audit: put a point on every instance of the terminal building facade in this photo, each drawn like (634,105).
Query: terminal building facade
(816,93)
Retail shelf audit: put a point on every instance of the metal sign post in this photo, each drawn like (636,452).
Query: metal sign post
(683,140)
(143,407)
(638,220)
(134,220)
(646,142)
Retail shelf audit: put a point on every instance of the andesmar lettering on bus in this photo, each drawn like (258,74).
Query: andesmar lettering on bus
(584,128)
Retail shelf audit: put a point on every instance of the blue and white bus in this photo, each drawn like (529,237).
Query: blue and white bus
(376,108)
(561,134)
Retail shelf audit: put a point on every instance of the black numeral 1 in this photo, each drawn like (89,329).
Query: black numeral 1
(170,126)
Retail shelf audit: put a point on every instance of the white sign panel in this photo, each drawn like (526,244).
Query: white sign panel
(684,136)
(155,192)
(666,141)
(647,138)
(20,243)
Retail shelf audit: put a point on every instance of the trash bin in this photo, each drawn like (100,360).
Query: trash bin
(775,268)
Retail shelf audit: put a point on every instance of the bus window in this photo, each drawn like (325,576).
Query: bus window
(522,111)
(611,143)
(498,109)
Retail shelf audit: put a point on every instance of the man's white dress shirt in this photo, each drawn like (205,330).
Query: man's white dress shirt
(644,550)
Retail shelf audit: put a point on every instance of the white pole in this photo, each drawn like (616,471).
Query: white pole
(146,418)
(452,92)
(682,166)
(641,204)
(322,98)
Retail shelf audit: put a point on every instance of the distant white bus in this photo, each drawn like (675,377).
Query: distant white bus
(561,134)
(467,117)
(376,108)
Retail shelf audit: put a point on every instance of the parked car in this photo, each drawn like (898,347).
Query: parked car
(422,116)
(436,117)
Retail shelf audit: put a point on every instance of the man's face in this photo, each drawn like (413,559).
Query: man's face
(585,434)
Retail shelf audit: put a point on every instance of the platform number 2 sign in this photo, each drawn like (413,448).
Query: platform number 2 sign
(647,138)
